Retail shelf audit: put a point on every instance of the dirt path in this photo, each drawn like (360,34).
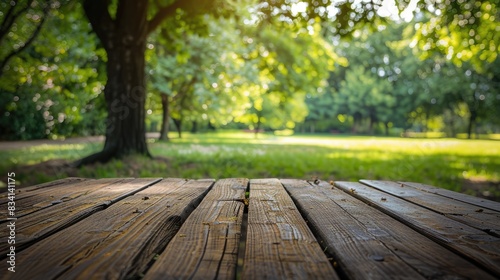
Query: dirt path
(8,145)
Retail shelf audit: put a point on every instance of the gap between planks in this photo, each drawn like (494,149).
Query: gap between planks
(473,215)
(49,220)
(279,243)
(119,242)
(471,243)
(369,244)
(206,245)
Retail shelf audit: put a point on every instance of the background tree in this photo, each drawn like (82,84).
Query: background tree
(285,63)
(196,77)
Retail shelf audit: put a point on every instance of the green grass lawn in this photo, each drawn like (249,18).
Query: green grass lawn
(454,164)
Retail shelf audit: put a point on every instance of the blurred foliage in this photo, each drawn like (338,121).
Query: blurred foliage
(387,82)
(463,30)
(53,88)
(197,71)
(327,66)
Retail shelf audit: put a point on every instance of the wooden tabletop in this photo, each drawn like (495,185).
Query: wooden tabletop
(246,229)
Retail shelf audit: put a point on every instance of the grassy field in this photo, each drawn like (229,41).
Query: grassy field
(471,166)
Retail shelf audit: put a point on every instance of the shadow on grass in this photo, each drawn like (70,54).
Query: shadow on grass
(214,157)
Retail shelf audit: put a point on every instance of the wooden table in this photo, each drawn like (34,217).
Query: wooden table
(248,229)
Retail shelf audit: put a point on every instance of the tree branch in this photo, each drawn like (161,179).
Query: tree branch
(163,13)
(28,42)
(100,19)
(191,6)
(7,22)
(11,17)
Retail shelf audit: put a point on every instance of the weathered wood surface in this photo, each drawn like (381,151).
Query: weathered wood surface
(129,228)
(480,202)
(64,213)
(279,243)
(475,216)
(366,243)
(122,240)
(31,199)
(64,181)
(470,242)
(206,246)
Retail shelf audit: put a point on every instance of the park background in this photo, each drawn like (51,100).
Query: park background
(335,90)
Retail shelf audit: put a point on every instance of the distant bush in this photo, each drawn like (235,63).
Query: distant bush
(424,134)
(480,136)
(284,132)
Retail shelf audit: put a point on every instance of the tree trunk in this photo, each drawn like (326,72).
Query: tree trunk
(125,95)
(371,124)
(124,39)
(426,121)
(178,124)
(386,128)
(257,126)
(472,120)
(452,125)
(356,122)
(194,128)
(210,126)
(165,125)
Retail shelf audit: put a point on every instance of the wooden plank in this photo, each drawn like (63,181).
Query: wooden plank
(118,242)
(47,221)
(279,243)
(22,190)
(23,193)
(33,201)
(480,202)
(368,244)
(206,245)
(472,215)
(471,243)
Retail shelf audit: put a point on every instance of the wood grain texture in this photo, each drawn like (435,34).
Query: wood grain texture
(475,216)
(34,200)
(368,244)
(206,246)
(20,192)
(47,221)
(117,228)
(118,242)
(279,244)
(480,202)
(469,242)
